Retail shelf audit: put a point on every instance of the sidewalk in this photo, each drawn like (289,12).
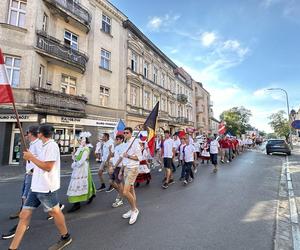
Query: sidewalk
(16,173)
(287,235)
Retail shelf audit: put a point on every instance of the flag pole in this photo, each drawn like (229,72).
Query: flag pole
(20,127)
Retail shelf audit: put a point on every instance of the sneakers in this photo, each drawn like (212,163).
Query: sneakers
(134,216)
(11,233)
(215,170)
(62,243)
(75,207)
(185,182)
(14,216)
(165,185)
(117,203)
(190,180)
(127,215)
(61,206)
(171,181)
(110,189)
(102,188)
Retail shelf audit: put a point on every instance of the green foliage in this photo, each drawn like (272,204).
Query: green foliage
(237,120)
(279,124)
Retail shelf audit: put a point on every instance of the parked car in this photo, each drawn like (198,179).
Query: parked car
(278,146)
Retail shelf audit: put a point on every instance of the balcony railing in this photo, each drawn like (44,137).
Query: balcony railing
(52,47)
(182,98)
(59,102)
(211,103)
(73,8)
(182,120)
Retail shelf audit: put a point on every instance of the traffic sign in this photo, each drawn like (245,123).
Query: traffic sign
(296,124)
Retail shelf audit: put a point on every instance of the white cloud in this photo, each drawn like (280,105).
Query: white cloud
(158,22)
(208,38)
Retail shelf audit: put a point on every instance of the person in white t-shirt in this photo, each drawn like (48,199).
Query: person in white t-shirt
(98,150)
(107,148)
(189,155)
(44,187)
(168,156)
(214,150)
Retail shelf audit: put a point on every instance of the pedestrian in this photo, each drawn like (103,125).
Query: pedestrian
(44,187)
(189,155)
(144,170)
(115,168)
(214,150)
(107,149)
(131,158)
(168,156)
(35,147)
(205,156)
(98,150)
(81,187)
(177,142)
(181,162)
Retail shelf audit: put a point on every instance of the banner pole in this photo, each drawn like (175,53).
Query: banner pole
(20,127)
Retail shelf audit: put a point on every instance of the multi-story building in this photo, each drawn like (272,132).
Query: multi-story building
(214,125)
(203,108)
(153,77)
(66,63)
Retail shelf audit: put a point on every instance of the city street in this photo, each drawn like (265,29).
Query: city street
(233,209)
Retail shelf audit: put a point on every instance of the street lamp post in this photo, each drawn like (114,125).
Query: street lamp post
(288,109)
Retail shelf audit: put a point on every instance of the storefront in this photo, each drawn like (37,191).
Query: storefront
(10,139)
(67,130)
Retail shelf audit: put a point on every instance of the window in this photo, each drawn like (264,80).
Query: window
(71,40)
(171,108)
(155,73)
(68,85)
(147,100)
(163,80)
(41,76)
(105,59)
(106,24)
(155,99)
(45,22)
(134,62)
(17,12)
(13,69)
(104,96)
(163,104)
(134,95)
(146,68)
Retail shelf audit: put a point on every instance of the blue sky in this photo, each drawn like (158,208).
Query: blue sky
(237,49)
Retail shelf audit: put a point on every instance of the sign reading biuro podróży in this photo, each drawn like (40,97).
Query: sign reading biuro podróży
(22,117)
(296,124)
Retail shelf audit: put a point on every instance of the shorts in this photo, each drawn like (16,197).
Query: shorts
(130,175)
(168,163)
(214,159)
(103,166)
(35,199)
(26,185)
(115,175)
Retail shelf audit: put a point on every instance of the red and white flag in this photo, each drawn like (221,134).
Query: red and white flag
(222,128)
(6,95)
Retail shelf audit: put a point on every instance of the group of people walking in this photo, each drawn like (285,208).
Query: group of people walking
(126,160)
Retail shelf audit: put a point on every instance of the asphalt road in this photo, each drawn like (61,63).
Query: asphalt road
(233,209)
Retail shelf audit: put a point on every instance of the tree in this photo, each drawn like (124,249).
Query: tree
(237,120)
(280,124)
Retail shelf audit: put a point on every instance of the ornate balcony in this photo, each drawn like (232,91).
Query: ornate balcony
(72,12)
(182,120)
(62,54)
(182,98)
(54,102)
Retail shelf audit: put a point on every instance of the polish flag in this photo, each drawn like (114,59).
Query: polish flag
(222,128)
(6,95)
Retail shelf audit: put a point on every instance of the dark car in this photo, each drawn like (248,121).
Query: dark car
(277,146)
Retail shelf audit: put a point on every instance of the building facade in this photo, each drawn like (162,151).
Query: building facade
(152,77)
(66,63)
(214,125)
(203,108)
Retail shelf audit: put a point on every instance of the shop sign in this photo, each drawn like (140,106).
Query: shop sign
(22,117)
(80,121)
